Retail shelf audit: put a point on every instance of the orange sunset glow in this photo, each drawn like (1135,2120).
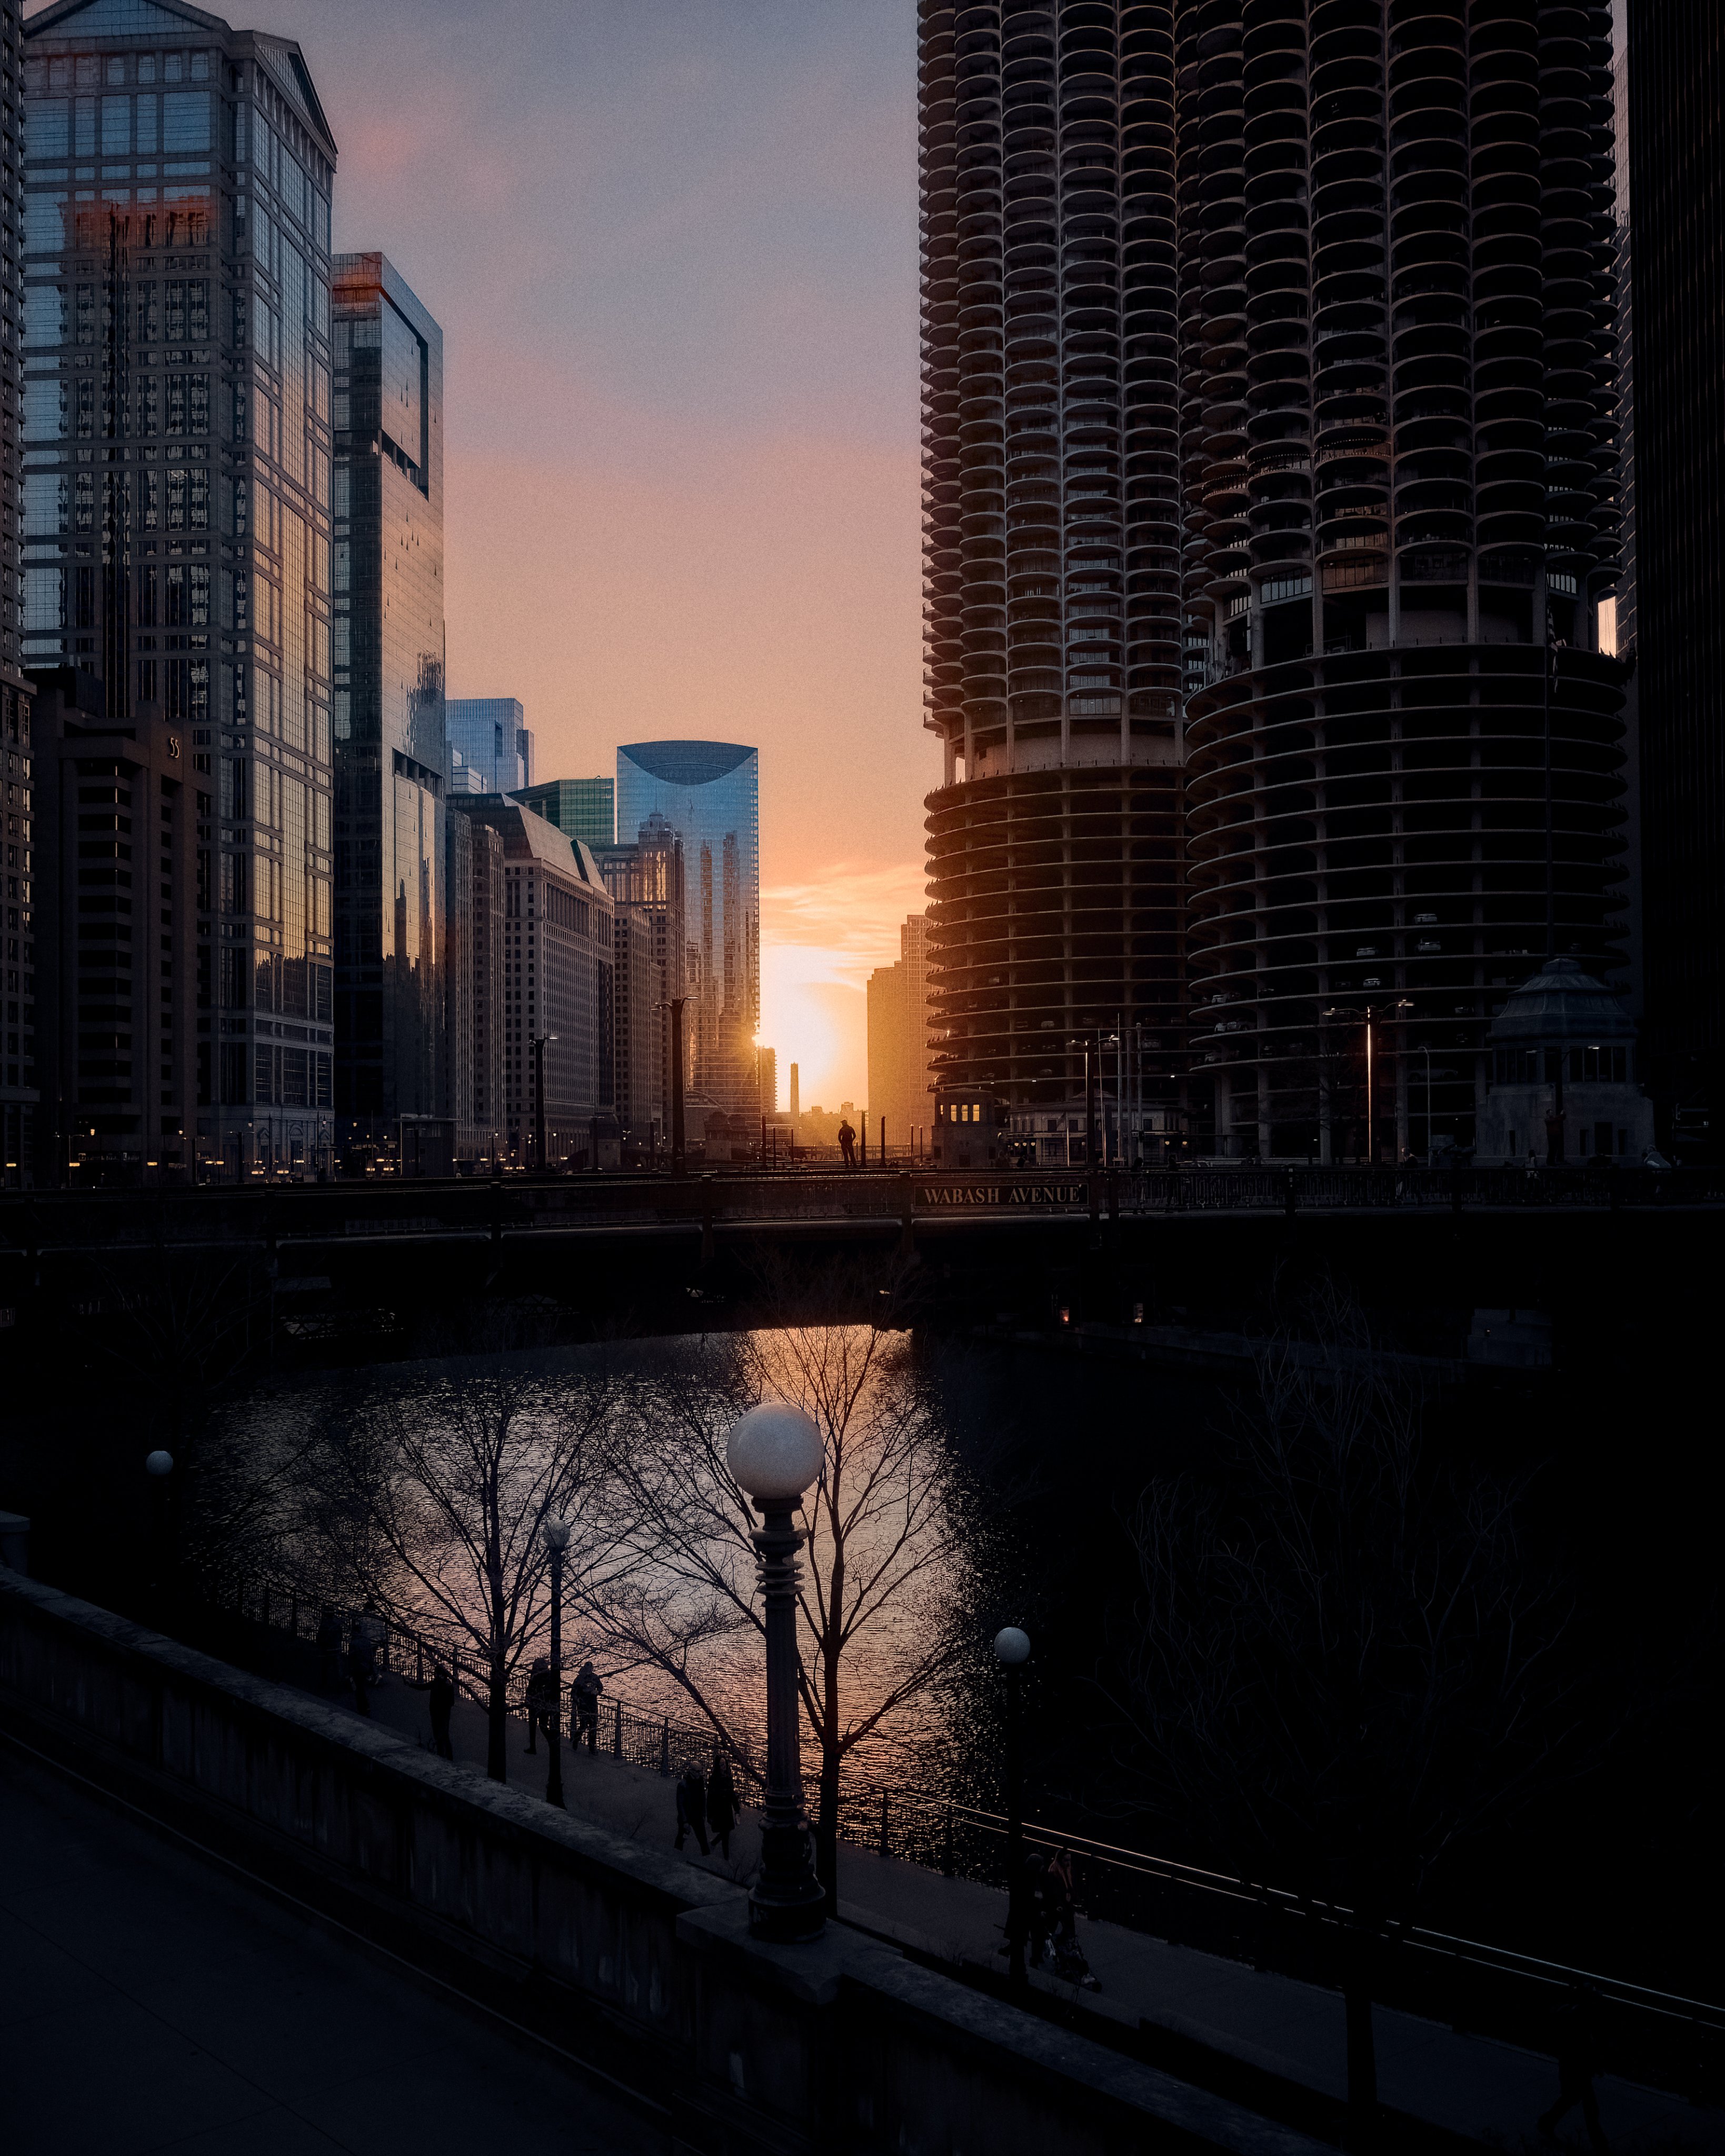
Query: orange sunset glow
(673,250)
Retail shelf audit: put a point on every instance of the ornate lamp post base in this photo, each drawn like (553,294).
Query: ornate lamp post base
(775,1452)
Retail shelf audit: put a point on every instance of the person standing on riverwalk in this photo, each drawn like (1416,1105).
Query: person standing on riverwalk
(541,1702)
(584,1698)
(691,1808)
(442,1699)
(722,1810)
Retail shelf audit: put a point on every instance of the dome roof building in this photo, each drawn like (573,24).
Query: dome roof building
(1562,1083)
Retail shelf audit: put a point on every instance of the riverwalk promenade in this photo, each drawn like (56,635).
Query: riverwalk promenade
(151,2000)
(1476,2087)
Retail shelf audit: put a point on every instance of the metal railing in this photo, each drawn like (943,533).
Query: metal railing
(1661,2036)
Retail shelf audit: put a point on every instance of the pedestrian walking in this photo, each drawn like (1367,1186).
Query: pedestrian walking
(691,1808)
(541,1702)
(1578,2052)
(722,1810)
(441,1701)
(329,1650)
(585,1699)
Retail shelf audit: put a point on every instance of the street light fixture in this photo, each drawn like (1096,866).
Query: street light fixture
(774,1452)
(1012,1650)
(556,1542)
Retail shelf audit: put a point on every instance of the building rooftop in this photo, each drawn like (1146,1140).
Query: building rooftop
(1561,1003)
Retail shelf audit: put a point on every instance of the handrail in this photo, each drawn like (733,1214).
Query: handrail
(872,1816)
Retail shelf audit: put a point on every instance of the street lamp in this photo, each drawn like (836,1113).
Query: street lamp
(539,1044)
(557,1541)
(1012,1650)
(774,1452)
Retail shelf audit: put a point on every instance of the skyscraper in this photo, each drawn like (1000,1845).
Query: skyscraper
(176,497)
(557,986)
(898,1038)
(645,882)
(392,902)
(708,795)
(580,807)
(19,1083)
(491,745)
(1677,142)
(1050,545)
(1398,379)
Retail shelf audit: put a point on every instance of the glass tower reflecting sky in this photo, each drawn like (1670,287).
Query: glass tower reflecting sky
(177,482)
(391,751)
(708,792)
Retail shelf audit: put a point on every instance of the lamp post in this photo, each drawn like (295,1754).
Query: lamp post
(557,1541)
(774,1452)
(540,1040)
(1012,1650)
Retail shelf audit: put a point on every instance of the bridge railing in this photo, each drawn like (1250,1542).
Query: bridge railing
(34,1224)
(1658,2035)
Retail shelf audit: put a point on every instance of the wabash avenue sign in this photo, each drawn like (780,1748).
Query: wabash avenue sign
(1003,1197)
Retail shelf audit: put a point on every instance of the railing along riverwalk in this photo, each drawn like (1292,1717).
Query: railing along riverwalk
(1659,2036)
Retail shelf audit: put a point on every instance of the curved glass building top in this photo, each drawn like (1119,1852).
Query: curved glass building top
(686,762)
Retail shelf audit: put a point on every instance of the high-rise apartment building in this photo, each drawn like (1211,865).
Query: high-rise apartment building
(19,1085)
(584,808)
(1676,156)
(491,745)
(472,967)
(177,499)
(558,986)
(707,796)
(1398,454)
(391,903)
(1051,545)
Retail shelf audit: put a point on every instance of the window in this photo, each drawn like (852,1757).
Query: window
(116,126)
(185,119)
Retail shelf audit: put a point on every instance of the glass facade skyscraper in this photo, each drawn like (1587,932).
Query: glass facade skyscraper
(391,903)
(491,745)
(580,807)
(176,495)
(707,796)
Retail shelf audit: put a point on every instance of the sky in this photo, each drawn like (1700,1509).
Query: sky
(672,245)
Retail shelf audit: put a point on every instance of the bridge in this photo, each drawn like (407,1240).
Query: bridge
(1604,1257)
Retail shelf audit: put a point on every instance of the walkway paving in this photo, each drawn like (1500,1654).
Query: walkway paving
(151,2000)
(1472,2084)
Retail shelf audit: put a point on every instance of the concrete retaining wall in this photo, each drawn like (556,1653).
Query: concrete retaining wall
(622,1954)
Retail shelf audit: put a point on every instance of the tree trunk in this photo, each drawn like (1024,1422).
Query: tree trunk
(497,1737)
(1357,1988)
(826,1828)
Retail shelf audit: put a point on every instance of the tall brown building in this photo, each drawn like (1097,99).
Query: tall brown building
(898,1014)
(123,837)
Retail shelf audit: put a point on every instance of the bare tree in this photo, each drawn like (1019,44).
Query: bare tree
(1341,1663)
(438,1490)
(884,1530)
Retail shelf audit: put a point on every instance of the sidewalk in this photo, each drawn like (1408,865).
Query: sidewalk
(150,2000)
(1474,2086)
